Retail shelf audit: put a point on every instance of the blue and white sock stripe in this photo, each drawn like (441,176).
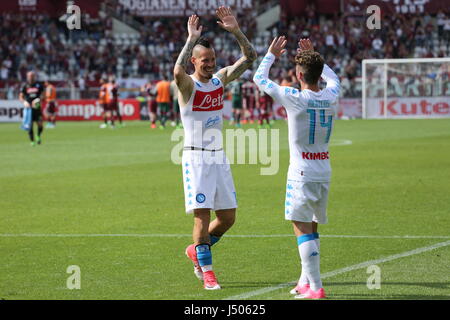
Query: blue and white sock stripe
(304,238)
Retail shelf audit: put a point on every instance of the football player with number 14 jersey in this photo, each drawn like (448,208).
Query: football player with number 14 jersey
(311,114)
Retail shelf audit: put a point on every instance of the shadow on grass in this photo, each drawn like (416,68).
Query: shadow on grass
(373,295)
(377,294)
(260,285)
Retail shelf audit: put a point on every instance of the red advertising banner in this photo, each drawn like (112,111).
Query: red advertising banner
(419,107)
(85,110)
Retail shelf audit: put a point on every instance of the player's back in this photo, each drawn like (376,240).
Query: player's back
(310,123)
(310,120)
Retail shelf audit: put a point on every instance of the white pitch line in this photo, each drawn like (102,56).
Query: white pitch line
(340,142)
(169,235)
(341,271)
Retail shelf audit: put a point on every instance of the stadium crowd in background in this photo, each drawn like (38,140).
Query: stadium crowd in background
(81,57)
(346,41)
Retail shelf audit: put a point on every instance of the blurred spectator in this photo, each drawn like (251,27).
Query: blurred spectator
(82,87)
(377,47)
(440,17)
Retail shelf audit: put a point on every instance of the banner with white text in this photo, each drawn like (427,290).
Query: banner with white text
(180,8)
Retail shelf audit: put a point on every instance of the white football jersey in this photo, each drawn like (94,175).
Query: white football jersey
(202,115)
(310,116)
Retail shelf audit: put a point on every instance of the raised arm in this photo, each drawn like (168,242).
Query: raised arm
(283,95)
(182,79)
(230,24)
(332,79)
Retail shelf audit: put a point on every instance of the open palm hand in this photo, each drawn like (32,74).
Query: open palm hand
(227,20)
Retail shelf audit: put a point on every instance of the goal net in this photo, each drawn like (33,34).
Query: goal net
(406,88)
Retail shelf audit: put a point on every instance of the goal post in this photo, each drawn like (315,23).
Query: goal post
(406,88)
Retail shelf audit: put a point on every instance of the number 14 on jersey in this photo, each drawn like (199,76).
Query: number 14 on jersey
(325,122)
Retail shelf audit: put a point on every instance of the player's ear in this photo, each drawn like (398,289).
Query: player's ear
(193,60)
(299,74)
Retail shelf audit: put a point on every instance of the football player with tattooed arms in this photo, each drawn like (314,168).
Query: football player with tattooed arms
(208,183)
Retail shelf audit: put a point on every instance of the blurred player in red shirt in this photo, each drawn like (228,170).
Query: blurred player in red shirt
(112,98)
(265,103)
(149,89)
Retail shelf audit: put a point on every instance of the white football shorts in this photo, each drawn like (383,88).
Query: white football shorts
(208,182)
(306,201)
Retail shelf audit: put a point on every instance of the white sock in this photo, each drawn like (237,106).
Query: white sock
(309,255)
(303,278)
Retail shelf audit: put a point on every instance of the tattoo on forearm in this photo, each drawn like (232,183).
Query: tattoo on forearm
(185,54)
(240,68)
(245,62)
(246,47)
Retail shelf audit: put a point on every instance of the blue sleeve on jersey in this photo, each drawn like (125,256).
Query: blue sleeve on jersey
(283,95)
(332,80)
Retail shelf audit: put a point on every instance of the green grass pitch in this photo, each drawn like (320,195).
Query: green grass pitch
(121,198)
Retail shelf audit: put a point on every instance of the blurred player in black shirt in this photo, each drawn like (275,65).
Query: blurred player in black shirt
(31,95)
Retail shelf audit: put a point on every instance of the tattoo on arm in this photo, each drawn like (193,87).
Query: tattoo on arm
(246,47)
(245,62)
(185,54)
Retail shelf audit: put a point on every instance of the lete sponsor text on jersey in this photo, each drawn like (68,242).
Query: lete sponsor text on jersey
(208,101)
